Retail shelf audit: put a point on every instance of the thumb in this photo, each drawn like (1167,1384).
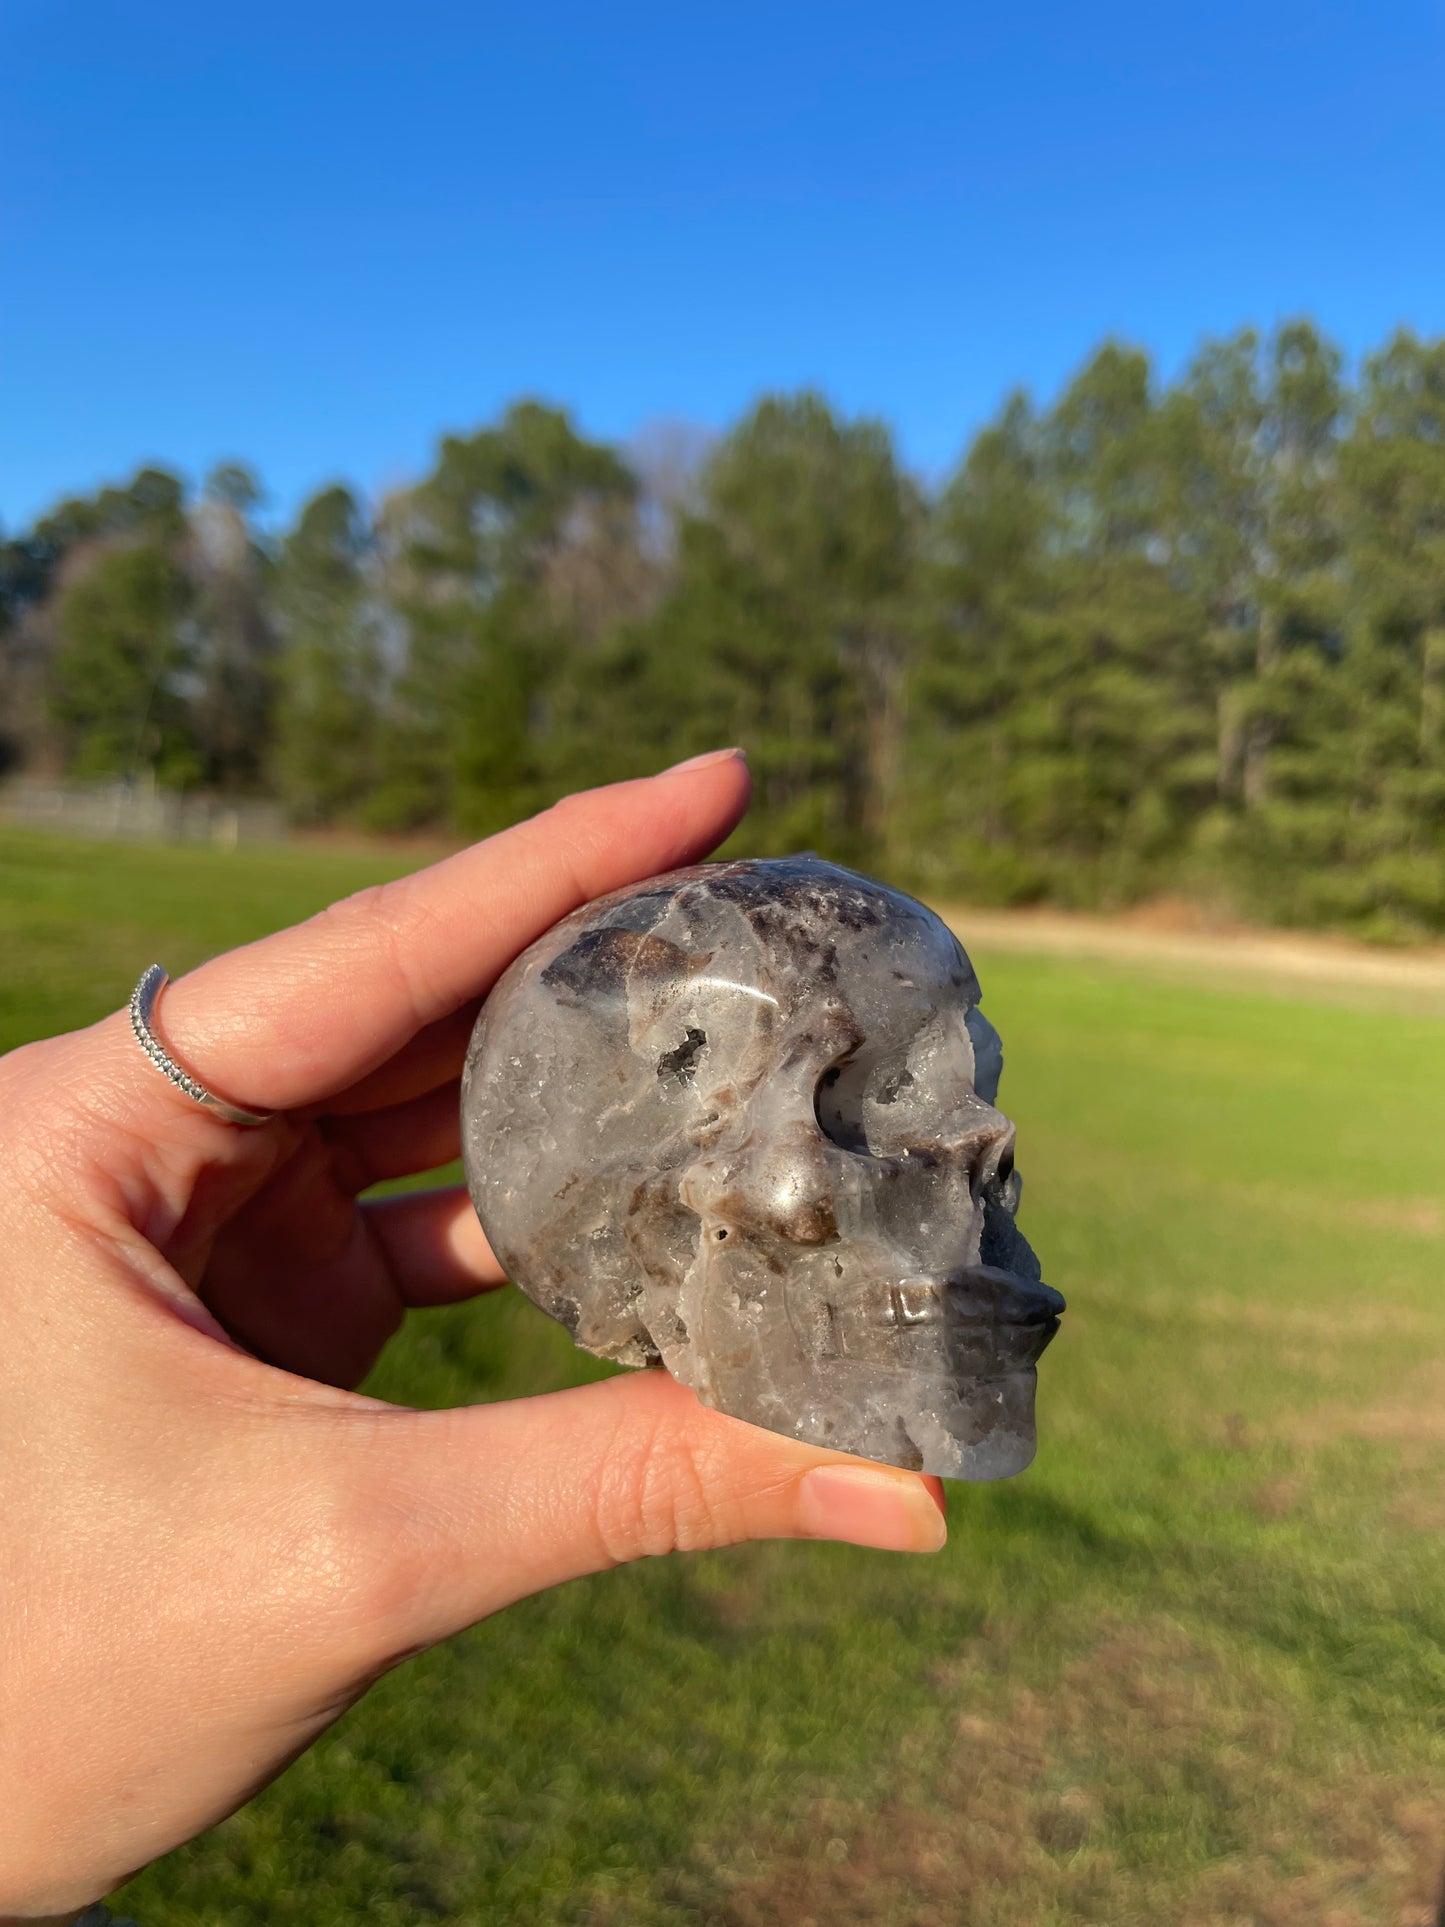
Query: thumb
(487,1504)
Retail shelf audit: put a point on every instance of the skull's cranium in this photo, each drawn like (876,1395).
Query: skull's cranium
(740,1118)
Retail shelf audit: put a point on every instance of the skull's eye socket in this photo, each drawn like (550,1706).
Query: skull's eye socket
(867,1103)
(839,1105)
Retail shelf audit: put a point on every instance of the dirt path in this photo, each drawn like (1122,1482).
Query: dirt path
(1325,961)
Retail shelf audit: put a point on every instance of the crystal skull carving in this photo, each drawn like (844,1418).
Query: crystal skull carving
(740,1119)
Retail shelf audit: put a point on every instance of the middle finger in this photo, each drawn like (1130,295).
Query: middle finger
(434,1056)
(397,1142)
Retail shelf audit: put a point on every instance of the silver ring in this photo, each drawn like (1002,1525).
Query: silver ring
(142,1010)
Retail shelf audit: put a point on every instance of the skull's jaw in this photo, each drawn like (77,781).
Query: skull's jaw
(976,1429)
(933,1373)
(984,1431)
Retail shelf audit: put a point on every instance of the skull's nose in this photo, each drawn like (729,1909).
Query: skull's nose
(990,1149)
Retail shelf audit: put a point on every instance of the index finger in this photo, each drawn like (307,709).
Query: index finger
(296,1017)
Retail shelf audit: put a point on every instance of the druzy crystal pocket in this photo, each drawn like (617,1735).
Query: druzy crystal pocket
(740,1119)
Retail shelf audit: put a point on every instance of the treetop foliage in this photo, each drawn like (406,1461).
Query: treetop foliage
(1182,637)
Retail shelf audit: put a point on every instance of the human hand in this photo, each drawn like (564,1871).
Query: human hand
(210,1546)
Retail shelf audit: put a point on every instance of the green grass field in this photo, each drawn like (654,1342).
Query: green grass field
(1188,1669)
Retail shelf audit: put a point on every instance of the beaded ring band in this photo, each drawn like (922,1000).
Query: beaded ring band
(142,1012)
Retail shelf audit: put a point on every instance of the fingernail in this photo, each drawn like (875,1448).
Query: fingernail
(890,1511)
(708,757)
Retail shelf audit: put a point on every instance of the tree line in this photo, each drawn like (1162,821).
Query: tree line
(1182,636)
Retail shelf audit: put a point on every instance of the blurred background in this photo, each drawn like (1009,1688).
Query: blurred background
(1025,434)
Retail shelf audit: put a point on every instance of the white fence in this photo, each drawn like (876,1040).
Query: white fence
(139,812)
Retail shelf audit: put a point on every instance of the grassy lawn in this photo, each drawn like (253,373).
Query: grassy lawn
(1190,1668)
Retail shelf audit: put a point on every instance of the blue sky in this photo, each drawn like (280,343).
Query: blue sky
(316,236)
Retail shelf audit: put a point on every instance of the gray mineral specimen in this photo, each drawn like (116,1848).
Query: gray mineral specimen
(740,1118)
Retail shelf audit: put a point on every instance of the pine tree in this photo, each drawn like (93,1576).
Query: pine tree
(326,758)
(475,554)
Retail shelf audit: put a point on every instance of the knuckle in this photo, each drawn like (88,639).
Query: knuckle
(570,811)
(396,1548)
(390,921)
(374,914)
(322,1550)
(340,1575)
(43,1117)
(657,1497)
(565,832)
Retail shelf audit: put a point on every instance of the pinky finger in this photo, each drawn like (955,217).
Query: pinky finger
(435,1249)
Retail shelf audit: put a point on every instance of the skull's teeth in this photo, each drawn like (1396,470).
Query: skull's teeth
(913,1303)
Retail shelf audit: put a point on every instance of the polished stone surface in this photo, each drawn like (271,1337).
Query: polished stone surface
(740,1118)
